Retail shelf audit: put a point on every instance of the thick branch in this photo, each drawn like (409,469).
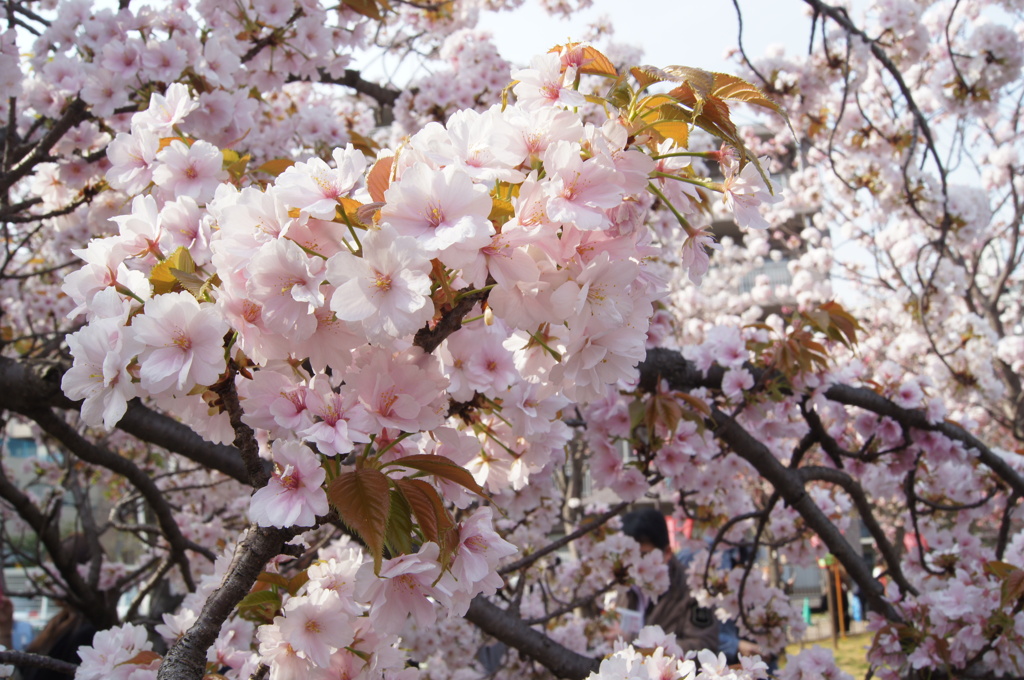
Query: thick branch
(669,365)
(429,338)
(25,660)
(385,96)
(513,631)
(187,658)
(245,438)
(28,385)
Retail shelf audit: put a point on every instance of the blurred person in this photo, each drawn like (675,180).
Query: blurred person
(676,611)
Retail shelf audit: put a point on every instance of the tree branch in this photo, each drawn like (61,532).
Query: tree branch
(28,385)
(25,660)
(588,526)
(187,658)
(914,418)
(513,631)
(90,453)
(791,487)
(90,602)
(74,114)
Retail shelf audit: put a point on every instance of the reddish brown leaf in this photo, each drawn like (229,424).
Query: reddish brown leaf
(663,409)
(276,167)
(1001,570)
(368,8)
(648,75)
(591,61)
(734,88)
(363,500)
(439,466)
(142,659)
(1013,588)
(297,581)
(379,179)
(696,403)
(432,517)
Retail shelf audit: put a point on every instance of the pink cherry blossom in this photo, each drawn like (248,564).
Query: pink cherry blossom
(695,256)
(314,187)
(99,375)
(580,190)
(286,282)
(443,210)
(166,110)
(193,171)
(105,658)
(545,84)
(183,342)
(339,420)
(745,193)
(132,157)
(294,495)
(387,290)
(402,589)
(318,624)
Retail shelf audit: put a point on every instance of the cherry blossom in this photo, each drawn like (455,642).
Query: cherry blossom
(387,289)
(182,342)
(293,496)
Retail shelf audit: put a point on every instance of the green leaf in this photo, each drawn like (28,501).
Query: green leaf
(637,412)
(363,500)
(191,282)
(620,94)
(234,164)
(260,598)
(260,606)
(439,466)
(398,535)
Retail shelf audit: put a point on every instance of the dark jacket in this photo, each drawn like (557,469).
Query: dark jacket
(676,611)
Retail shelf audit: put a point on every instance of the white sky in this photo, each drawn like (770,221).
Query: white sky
(695,33)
